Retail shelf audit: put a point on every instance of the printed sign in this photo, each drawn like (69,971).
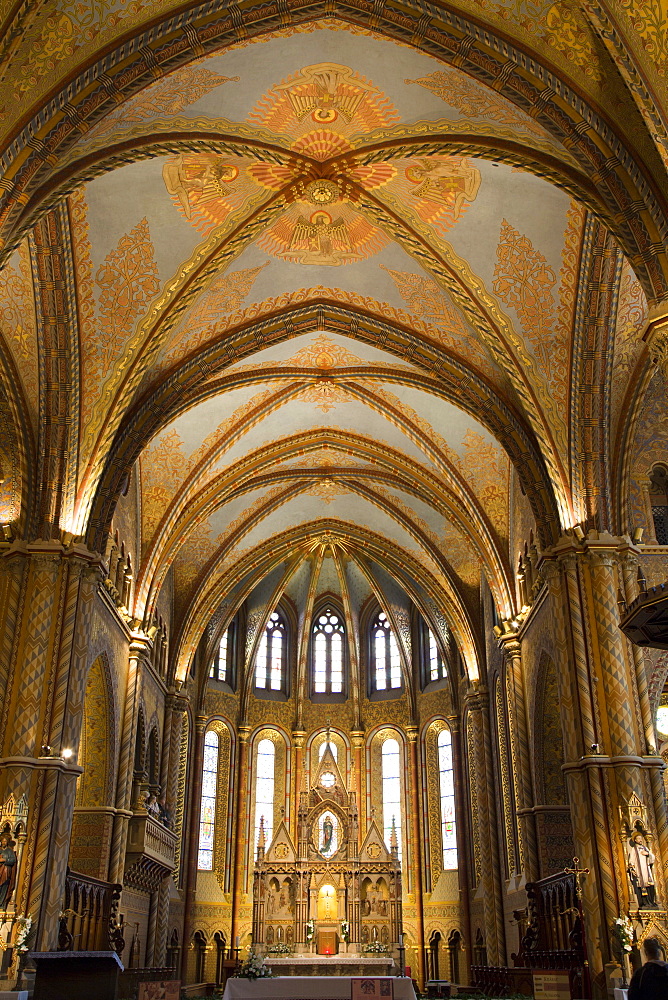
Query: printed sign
(371,986)
(160,991)
(551,985)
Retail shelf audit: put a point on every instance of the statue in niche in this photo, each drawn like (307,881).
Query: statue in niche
(327,834)
(8,861)
(640,866)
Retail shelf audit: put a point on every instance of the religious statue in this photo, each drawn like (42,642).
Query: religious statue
(8,861)
(640,862)
(327,834)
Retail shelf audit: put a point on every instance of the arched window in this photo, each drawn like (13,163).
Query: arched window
(332,746)
(328,636)
(447,787)
(207,815)
(437,668)
(264,790)
(220,665)
(391,778)
(271,655)
(385,658)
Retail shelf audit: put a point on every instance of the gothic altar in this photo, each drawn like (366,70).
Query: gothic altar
(328,896)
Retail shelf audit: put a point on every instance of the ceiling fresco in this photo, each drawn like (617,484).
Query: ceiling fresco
(327,298)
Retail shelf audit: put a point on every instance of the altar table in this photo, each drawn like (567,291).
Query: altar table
(307,988)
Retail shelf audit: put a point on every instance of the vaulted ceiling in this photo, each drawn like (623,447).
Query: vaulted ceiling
(328,295)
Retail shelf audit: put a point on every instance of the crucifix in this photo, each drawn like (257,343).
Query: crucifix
(577,871)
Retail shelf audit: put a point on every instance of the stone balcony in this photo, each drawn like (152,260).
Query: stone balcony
(150,854)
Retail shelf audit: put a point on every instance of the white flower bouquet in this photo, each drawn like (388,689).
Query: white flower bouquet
(254,967)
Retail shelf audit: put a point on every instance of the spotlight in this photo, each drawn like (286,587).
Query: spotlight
(46,750)
(66,753)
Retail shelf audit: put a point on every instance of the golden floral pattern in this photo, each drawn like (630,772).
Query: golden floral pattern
(524,280)
(18,323)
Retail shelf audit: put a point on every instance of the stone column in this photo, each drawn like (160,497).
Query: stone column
(239,838)
(138,657)
(486,828)
(605,722)
(521,757)
(48,596)
(416,846)
(192,843)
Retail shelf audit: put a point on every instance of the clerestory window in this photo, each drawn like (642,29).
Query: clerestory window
(220,669)
(270,662)
(328,638)
(385,656)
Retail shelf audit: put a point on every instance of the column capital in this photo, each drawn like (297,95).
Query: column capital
(412,733)
(298,737)
(357,738)
(243,733)
(177,702)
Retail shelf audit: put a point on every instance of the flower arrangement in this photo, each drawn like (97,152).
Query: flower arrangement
(310,931)
(376,948)
(280,948)
(345,931)
(23,923)
(624,930)
(254,967)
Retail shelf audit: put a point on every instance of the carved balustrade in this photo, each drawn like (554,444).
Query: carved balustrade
(89,918)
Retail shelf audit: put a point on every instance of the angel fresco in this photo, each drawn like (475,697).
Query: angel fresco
(325,91)
(449,181)
(321,240)
(198,179)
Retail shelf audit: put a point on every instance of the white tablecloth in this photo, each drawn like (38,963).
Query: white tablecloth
(305,988)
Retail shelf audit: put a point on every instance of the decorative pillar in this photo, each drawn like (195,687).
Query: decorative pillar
(298,737)
(48,596)
(139,651)
(416,847)
(605,722)
(523,781)
(243,734)
(487,831)
(357,740)
(190,883)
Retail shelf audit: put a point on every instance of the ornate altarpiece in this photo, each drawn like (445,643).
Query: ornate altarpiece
(307,897)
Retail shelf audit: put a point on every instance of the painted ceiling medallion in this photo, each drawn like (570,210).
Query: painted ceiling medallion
(322,192)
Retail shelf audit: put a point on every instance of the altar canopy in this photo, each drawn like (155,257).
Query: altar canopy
(328,894)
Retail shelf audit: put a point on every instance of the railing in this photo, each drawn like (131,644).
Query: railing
(498,981)
(151,839)
(89,919)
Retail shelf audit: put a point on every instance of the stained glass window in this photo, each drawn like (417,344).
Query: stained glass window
(207,814)
(264,789)
(391,780)
(270,660)
(328,636)
(385,655)
(219,670)
(447,786)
